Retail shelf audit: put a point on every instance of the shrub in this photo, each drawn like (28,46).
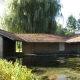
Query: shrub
(73,63)
(14,71)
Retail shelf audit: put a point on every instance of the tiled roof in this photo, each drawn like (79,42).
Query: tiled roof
(74,38)
(9,35)
(41,37)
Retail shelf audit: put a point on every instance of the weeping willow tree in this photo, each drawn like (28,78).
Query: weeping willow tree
(31,16)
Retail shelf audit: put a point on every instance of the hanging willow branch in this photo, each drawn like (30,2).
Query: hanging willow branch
(31,16)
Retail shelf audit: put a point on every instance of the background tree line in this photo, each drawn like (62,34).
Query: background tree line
(36,16)
(72,25)
(31,16)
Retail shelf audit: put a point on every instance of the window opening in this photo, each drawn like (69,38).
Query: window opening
(18,46)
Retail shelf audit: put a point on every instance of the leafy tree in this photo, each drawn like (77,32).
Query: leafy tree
(78,24)
(59,29)
(31,16)
(71,25)
(71,22)
(67,31)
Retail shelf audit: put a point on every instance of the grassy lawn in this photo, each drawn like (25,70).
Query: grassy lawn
(71,71)
(52,73)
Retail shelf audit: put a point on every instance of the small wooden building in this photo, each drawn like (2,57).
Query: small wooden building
(39,48)
(42,43)
(49,43)
(45,48)
(8,44)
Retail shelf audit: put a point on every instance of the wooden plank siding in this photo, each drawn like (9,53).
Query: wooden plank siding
(40,48)
(39,53)
(72,47)
(48,53)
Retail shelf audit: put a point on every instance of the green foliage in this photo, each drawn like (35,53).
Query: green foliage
(18,46)
(59,29)
(44,78)
(78,24)
(71,22)
(73,63)
(9,71)
(31,16)
(68,32)
(71,25)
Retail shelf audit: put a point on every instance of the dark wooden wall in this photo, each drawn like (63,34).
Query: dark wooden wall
(40,47)
(8,46)
(47,49)
(72,47)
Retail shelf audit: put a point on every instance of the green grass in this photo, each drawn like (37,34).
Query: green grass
(71,71)
(52,73)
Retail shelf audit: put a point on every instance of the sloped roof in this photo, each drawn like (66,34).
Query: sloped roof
(9,35)
(73,38)
(41,37)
